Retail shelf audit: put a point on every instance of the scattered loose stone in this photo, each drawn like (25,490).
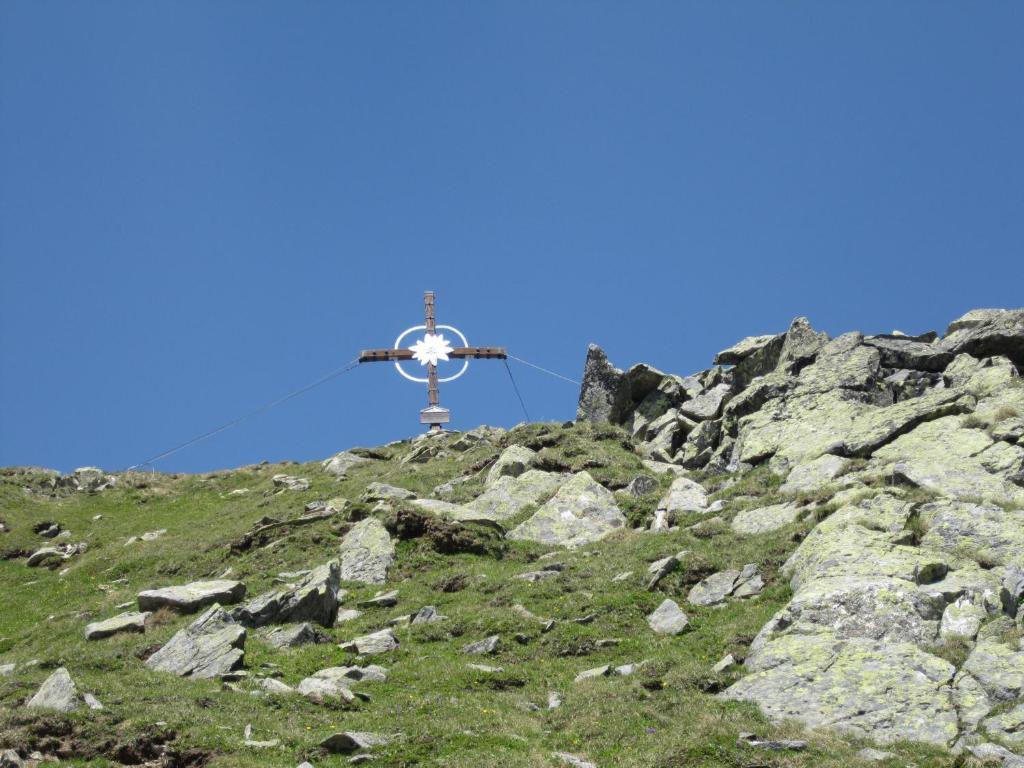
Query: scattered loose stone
(290,483)
(668,619)
(385,492)
(347,614)
(717,587)
(313,599)
(210,646)
(125,622)
(58,693)
(427,615)
(270,685)
(659,569)
(48,555)
(534,576)
(573,760)
(624,670)
(726,662)
(340,463)
(874,755)
(554,700)
(622,576)
(487,645)
(751,740)
(367,552)
(92,702)
(353,741)
(485,668)
(588,674)
(189,598)
(6,669)
(642,485)
(319,690)
(684,495)
(368,645)
(387,599)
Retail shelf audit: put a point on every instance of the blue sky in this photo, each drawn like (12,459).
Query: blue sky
(204,206)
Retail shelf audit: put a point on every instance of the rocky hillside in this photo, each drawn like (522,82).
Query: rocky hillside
(810,554)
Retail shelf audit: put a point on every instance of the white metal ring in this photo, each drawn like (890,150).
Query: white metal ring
(398,345)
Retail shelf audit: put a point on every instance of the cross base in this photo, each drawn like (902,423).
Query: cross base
(435,416)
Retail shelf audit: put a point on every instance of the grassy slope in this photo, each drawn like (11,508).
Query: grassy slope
(664,716)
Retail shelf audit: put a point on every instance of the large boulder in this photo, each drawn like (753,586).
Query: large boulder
(507,496)
(988,332)
(189,598)
(581,512)
(512,462)
(905,352)
(313,598)
(211,646)
(600,384)
(57,693)
(340,463)
(882,691)
(367,552)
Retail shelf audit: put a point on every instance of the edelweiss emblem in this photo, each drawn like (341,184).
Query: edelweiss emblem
(430,349)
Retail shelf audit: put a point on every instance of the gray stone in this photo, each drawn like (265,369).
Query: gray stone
(124,622)
(718,586)
(512,462)
(765,519)
(589,674)
(849,686)
(292,636)
(189,598)
(508,496)
(340,463)
(487,645)
(427,615)
(58,693)
(684,495)
(981,531)
(727,661)
(999,669)
(485,668)
(707,405)
(601,382)
(574,761)
(642,485)
(659,569)
(962,619)
(352,741)
(815,474)
(986,333)
(320,690)
(581,512)
(904,352)
(741,350)
(290,483)
(7,669)
(270,685)
(314,598)
(751,740)
(990,752)
(1008,726)
(668,619)
(210,646)
(372,644)
(92,702)
(367,552)
(385,492)
(347,614)
(388,599)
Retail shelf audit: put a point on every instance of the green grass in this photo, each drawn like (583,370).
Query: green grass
(664,716)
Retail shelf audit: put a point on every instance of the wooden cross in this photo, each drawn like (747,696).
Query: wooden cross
(428,352)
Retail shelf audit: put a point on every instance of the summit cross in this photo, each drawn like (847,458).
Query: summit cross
(428,351)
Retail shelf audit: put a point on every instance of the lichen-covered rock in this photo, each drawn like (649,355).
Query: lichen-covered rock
(57,693)
(600,384)
(765,519)
(979,531)
(212,645)
(718,586)
(999,669)
(814,474)
(1008,726)
(708,404)
(367,552)
(372,644)
(512,462)
(581,511)
(988,332)
(962,619)
(340,463)
(684,495)
(851,685)
(290,483)
(313,598)
(189,598)
(385,492)
(879,426)
(508,496)
(905,352)
(291,636)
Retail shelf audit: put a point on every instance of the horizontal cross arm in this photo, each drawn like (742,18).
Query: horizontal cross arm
(478,353)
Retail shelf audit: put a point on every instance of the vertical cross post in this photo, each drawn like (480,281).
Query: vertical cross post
(431,323)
